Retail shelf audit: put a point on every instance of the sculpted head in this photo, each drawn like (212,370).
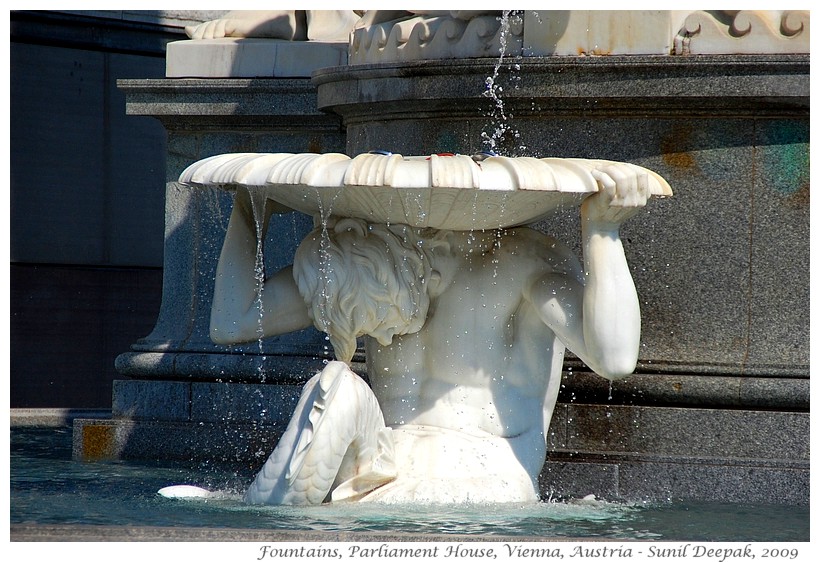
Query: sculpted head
(365,279)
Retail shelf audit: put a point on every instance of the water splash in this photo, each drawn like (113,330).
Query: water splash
(213,199)
(501,128)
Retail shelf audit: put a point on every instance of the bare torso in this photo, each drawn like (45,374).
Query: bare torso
(484,365)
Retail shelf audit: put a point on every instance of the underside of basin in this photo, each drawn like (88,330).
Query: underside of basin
(454,192)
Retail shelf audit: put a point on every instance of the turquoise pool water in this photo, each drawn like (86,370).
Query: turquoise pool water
(48,487)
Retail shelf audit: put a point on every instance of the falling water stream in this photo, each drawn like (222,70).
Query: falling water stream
(258,204)
(258,198)
(499,117)
(325,279)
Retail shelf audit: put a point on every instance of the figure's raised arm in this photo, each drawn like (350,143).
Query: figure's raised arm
(598,316)
(241,312)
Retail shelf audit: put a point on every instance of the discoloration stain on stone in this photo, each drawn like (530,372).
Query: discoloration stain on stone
(674,151)
(315,146)
(98,442)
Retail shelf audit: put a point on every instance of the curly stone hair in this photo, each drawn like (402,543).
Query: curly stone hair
(365,279)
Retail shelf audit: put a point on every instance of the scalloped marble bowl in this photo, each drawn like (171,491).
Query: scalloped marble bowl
(439,191)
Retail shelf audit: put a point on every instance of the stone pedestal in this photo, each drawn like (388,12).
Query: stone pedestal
(250,58)
(181,396)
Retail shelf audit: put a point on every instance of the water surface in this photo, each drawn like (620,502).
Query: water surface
(48,487)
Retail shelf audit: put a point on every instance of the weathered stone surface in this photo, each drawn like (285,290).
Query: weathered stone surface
(250,58)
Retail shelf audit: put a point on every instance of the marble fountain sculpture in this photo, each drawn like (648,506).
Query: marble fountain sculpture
(464,310)
(379,36)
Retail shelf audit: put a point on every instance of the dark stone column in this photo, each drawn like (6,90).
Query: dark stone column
(181,398)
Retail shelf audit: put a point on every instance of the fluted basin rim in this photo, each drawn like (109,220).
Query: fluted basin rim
(446,191)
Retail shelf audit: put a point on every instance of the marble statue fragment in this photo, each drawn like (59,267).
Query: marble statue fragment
(378,36)
(744,32)
(464,328)
(292,25)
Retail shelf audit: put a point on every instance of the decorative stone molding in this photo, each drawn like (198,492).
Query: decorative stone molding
(469,35)
(582,32)
(744,32)
(438,37)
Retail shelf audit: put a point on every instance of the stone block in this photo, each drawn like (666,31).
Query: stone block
(258,403)
(744,31)
(600,32)
(689,432)
(154,400)
(560,479)
(707,481)
(245,443)
(251,57)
